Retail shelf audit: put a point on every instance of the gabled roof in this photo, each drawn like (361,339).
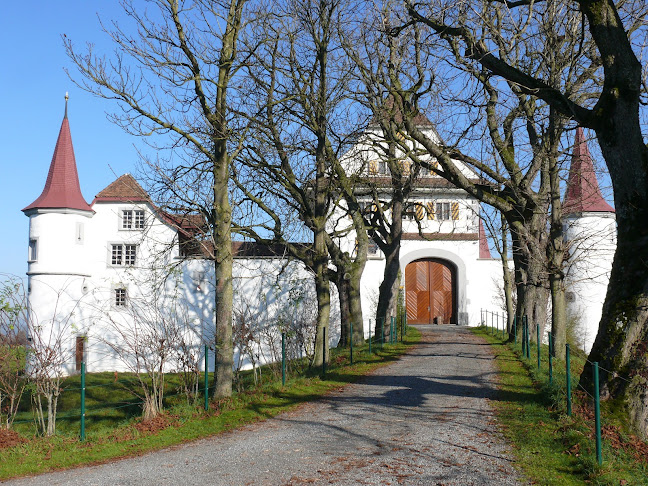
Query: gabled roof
(124,189)
(484,251)
(62,190)
(583,193)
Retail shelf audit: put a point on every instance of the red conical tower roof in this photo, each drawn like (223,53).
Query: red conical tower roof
(484,251)
(583,193)
(62,189)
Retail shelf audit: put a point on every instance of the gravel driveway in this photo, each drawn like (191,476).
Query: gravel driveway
(423,420)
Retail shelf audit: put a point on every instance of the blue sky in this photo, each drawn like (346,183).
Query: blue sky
(33,85)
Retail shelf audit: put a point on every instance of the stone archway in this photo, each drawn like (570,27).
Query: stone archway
(431,291)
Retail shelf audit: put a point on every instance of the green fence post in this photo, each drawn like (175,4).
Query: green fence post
(523,337)
(538,344)
(597,413)
(369,336)
(351,342)
(515,329)
(83,393)
(391,330)
(382,333)
(550,359)
(568,370)
(283,359)
(206,383)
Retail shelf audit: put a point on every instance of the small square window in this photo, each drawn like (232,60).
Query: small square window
(120,297)
(373,248)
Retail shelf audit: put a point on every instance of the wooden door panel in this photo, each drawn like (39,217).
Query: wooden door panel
(430,288)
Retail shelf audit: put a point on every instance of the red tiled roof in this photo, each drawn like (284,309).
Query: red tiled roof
(62,190)
(484,251)
(124,189)
(583,193)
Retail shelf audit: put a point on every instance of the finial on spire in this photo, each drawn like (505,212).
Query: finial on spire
(67,97)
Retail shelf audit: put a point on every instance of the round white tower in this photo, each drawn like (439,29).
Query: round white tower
(590,235)
(57,255)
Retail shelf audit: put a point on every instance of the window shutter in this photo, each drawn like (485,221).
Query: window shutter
(420,212)
(455,210)
(373,167)
(430,210)
(434,165)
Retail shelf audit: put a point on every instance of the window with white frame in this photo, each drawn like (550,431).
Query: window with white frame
(442,211)
(123,255)
(119,297)
(132,219)
(33,250)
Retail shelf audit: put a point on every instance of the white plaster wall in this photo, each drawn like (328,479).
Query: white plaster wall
(591,241)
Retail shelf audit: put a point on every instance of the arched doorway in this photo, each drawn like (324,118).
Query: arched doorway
(431,292)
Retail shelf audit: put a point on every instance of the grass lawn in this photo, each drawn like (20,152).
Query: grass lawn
(551,447)
(114,430)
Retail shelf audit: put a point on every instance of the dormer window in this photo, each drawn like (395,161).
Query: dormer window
(132,219)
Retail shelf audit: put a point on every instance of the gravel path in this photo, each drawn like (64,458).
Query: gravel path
(424,420)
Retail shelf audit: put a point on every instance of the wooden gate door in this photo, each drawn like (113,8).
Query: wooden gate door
(430,292)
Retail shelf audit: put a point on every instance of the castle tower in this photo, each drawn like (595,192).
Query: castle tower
(590,234)
(57,256)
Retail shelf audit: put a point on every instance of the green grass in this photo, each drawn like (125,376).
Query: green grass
(112,432)
(551,447)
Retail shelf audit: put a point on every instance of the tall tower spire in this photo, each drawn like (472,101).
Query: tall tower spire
(62,190)
(583,193)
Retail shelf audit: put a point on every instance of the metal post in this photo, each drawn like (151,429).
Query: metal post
(391,330)
(382,333)
(206,383)
(523,336)
(283,359)
(83,392)
(568,370)
(597,413)
(351,342)
(538,344)
(515,329)
(369,336)
(550,359)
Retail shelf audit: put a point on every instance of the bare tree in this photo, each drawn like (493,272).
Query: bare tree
(13,347)
(613,112)
(298,86)
(171,76)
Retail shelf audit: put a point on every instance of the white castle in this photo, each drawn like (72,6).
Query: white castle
(100,273)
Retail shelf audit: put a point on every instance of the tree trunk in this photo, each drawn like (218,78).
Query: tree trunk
(355,305)
(530,281)
(342,285)
(507,278)
(622,339)
(322,337)
(388,290)
(223,260)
